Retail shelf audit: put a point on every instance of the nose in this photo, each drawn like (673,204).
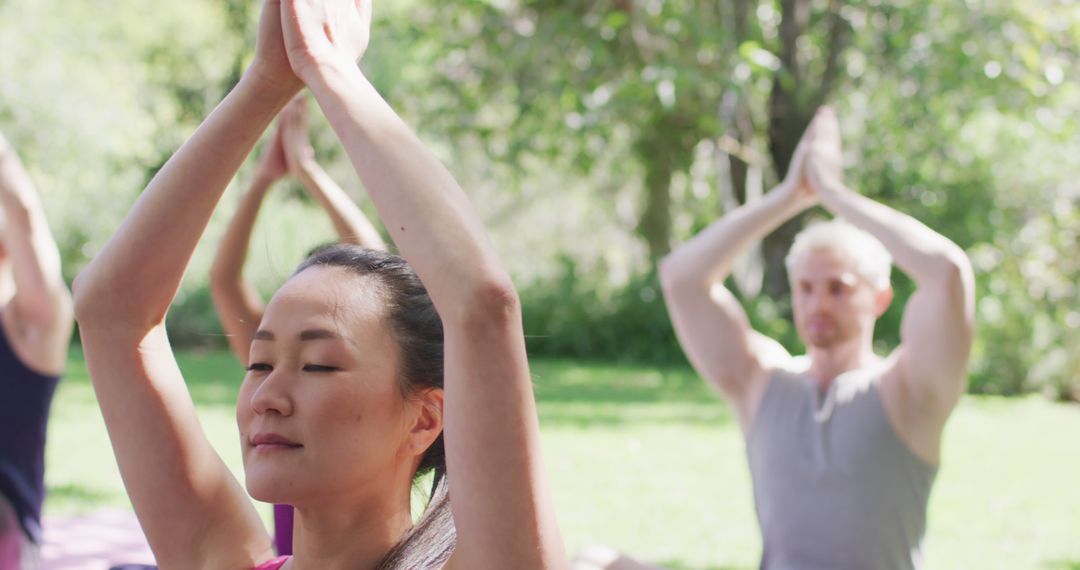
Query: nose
(272,396)
(818,301)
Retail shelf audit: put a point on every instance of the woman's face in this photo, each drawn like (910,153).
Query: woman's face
(320,412)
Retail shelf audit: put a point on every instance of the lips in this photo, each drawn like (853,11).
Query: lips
(273,441)
(820,322)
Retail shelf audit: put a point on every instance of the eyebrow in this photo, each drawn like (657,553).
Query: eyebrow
(310,334)
(319,334)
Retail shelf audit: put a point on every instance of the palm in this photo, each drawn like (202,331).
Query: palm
(318,32)
(271,60)
(294,129)
(273,164)
(825,157)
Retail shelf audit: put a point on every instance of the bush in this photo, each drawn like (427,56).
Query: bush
(573,316)
(1029,307)
(193,322)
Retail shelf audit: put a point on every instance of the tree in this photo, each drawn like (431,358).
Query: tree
(654,75)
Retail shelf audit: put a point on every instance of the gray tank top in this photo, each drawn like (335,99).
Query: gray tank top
(834,486)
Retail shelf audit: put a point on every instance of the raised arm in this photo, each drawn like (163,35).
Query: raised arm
(351,224)
(500,502)
(238,303)
(938,324)
(193,511)
(712,326)
(40,313)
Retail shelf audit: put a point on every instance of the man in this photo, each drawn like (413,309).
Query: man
(843,445)
(35,329)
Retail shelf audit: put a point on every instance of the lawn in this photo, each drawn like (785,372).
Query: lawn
(648,460)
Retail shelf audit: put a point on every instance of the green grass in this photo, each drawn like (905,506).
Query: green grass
(649,461)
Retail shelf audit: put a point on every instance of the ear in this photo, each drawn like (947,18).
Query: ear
(882,301)
(428,423)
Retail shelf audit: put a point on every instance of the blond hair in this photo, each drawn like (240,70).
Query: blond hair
(872,261)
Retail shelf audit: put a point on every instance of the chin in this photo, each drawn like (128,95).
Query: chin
(823,342)
(268,486)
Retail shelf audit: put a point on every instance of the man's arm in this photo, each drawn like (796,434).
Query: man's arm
(351,224)
(41,309)
(938,323)
(238,304)
(712,327)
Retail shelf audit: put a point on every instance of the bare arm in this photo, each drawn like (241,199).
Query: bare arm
(501,505)
(194,513)
(351,224)
(238,303)
(41,312)
(938,323)
(711,325)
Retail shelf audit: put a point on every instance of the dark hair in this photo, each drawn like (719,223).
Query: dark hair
(417,329)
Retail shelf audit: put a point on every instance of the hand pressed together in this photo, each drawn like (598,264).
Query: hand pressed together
(824,161)
(293,124)
(322,34)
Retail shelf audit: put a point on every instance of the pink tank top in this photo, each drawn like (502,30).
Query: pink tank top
(273,564)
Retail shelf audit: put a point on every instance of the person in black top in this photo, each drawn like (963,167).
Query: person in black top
(35,328)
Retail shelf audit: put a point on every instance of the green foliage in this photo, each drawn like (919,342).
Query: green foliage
(193,322)
(95,100)
(571,316)
(1029,300)
(593,135)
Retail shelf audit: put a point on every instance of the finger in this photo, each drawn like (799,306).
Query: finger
(301,111)
(293,103)
(289,122)
(826,121)
(294,119)
(363,7)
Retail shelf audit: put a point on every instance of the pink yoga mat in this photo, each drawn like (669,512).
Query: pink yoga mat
(95,541)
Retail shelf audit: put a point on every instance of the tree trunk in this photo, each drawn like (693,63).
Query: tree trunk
(665,148)
(654,226)
(786,124)
(792,103)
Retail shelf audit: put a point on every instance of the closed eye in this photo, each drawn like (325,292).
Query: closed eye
(260,367)
(320,368)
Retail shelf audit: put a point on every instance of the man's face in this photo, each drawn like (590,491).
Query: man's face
(832,303)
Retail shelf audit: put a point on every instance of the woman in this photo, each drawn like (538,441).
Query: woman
(340,408)
(238,304)
(35,330)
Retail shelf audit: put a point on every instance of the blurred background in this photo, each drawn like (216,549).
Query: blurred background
(594,136)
